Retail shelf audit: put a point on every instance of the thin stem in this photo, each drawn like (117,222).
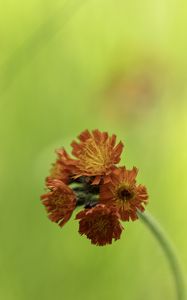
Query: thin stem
(169,251)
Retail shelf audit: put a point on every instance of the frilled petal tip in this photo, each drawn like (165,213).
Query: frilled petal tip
(100,224)
(66,160)
(59,202)
(63,167)
(59,172)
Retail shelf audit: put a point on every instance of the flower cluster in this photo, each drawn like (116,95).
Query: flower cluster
(92,179)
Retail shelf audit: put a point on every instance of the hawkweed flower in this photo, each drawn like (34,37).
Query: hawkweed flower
(124,194)
(60,201)
(97,154)
(92,179)
(108,194)
(100,224)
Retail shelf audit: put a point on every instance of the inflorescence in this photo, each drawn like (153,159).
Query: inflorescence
(91,179)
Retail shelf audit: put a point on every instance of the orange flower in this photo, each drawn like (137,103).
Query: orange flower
(100,224)
(59,169)
(97,155)
(60,201)
(124,194)
(92,179)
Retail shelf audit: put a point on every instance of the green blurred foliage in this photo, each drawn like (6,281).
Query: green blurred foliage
(118,66)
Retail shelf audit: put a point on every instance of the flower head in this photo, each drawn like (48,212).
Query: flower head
(60,201)
(92,179)
(96,154)
(100,224)
(124,194)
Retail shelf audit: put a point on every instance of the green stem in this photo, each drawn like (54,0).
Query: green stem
(169,251)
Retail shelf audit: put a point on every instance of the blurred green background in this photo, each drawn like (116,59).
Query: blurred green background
(118,66)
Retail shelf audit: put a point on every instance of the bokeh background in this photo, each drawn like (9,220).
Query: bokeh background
(118,66)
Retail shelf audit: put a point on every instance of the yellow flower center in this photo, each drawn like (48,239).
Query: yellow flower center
(95,158)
